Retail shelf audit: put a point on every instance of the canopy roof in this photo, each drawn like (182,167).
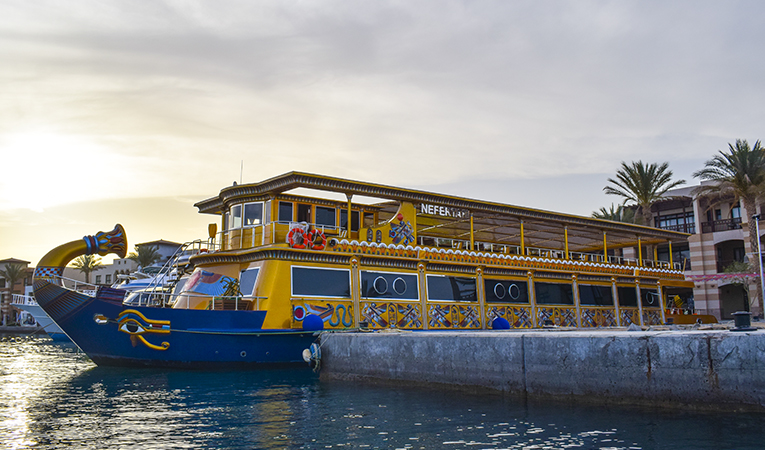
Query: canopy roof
(492,221)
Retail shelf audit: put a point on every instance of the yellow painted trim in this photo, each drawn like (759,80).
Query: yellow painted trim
(523,244)
(565,240)
(640,253)
(472,234)
(671,262)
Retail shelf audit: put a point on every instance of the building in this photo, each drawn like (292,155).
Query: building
(719,240)
(9,313)
(109,273)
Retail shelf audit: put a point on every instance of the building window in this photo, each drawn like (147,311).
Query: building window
(506,291)
(354,220)
(235,217)
(2,283)
(108,279)
(285,212)
(460,289)
(627,296)
(326,216)
(554,293)
(400,286)
(735,212)
(592,295)
(315,282)
(253,214)
(98,279)
(247,279)
(304,213)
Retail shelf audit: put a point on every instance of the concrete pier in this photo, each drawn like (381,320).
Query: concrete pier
(706,369)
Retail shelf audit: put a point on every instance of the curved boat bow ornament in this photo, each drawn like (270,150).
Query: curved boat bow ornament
(102,243)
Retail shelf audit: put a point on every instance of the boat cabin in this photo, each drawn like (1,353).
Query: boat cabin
(322,251)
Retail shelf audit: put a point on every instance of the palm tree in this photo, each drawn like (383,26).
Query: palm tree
(642,185)
(145,255)
(616,213)
(738,172)
(87,264)
(12,273)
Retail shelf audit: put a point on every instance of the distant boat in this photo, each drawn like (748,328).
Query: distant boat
(28,304)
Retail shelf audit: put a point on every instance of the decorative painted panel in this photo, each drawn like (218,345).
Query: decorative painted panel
(562,316)
(651,316)
(334,314)
(380,315)
(593,317)
(518,316)
(628,316)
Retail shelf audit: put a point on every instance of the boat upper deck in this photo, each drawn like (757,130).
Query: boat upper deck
(264,213)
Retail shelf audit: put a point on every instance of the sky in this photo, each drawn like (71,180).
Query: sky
(130,112)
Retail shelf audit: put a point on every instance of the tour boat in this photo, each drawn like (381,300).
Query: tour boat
(296,255)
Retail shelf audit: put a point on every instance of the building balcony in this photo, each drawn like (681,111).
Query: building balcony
(689,228)
(721,225)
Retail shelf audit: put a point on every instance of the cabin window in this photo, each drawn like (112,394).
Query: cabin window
(593,295)
(402,286)
(369,219)
(247,279)
(267,212)
(326,216)
(627,296)
(304,213)
(650,298)
(554,293)
(506,291)
(285,212)
(317,282)
(354,220)
(253,214)
(225,221)
(236,217)
(459,289)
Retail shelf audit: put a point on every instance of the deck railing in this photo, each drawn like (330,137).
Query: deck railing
(25,300)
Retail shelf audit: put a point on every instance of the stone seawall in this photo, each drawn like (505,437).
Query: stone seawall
(702,368)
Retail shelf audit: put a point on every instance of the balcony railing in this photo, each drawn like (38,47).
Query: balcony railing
(721,225)
(689,228)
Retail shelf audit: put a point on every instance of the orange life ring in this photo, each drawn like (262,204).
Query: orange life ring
(303,238)
(315,235)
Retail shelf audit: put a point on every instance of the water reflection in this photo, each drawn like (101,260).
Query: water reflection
(53,397)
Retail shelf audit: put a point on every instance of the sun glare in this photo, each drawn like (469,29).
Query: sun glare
(48,169)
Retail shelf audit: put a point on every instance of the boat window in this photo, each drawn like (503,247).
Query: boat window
(401,286)
(247,279)
(354,220)
(554,293)
(369,219)
(317,282)
(460,289)
(304,213)
(325,216)
(650,297)
(267,212)
(627,296)
(595,295)
(225,221)
(236,217)
(285,212)
(506,291)
(253,214)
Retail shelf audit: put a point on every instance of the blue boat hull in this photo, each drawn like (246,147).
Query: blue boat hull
(111,333)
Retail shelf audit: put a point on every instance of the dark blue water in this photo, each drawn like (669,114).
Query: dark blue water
(53,397)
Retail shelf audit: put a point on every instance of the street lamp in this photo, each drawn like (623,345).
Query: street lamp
(756,219)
